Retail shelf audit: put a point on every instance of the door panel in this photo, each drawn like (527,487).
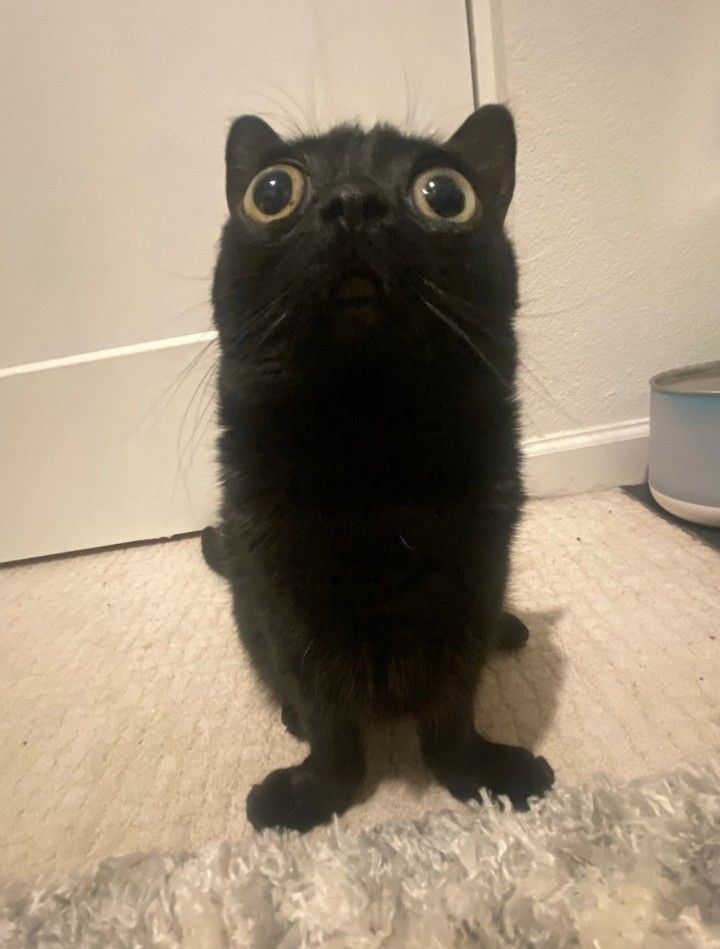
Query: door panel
(114,123)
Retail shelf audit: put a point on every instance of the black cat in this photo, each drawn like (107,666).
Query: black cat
(364,297)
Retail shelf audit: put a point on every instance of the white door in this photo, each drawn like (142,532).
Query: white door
(114,117)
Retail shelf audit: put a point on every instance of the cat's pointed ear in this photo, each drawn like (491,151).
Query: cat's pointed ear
(486,141)
(249,139)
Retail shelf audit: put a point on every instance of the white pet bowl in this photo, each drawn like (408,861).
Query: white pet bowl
(684,471)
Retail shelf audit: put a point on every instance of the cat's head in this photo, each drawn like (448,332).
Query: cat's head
(337,236)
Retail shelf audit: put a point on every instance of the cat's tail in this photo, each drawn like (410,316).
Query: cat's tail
(213,549)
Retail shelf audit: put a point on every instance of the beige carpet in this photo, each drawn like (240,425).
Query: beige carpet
(129,718)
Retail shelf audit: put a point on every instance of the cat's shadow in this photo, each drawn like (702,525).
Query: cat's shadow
(516,704)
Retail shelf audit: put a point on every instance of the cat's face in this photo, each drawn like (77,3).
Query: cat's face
(351,233)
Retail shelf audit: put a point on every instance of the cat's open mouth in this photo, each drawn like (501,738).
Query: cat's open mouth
(356,288)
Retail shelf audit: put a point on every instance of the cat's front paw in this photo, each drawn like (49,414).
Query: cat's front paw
(504,771)
(292,798)
(518,774)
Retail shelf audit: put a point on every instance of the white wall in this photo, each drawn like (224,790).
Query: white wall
(617,210)
(111,182)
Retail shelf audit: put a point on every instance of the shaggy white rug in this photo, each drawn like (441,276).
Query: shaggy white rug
(602,865)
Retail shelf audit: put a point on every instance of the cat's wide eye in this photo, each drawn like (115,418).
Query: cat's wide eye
(274,193)
(443,194)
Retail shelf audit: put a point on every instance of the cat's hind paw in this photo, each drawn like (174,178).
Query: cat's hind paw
(511,633)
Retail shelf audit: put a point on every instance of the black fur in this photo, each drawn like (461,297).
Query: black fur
(369,454)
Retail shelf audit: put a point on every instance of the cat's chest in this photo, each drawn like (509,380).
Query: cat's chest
(372,438)
(383,452)
(388,416)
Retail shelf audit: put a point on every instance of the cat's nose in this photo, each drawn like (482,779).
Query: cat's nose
(351,205)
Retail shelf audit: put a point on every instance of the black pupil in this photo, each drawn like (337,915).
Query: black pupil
(444,195)
(273,192)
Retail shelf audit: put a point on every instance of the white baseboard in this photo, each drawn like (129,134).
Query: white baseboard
(100,450)
(604,456)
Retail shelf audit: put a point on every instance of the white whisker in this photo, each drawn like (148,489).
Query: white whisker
(444,318)
(271,329)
